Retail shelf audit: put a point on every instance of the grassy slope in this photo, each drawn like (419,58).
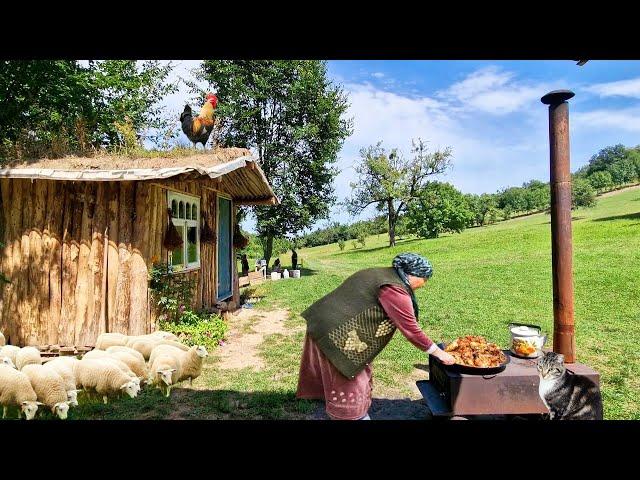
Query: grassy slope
(487,277)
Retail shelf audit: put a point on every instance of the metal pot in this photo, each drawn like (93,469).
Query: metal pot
(526,340)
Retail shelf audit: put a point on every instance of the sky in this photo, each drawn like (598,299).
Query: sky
(488,112)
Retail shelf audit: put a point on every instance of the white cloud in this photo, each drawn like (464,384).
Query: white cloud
(628,119)
(377,74)
(623,88)
(492,90)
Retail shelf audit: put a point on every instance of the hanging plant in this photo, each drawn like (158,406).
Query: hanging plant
(172,239)
(239,240)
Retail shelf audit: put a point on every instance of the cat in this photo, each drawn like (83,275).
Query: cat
(567,396)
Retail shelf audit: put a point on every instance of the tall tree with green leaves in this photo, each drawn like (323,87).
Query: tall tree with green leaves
(391,182)
(293,116)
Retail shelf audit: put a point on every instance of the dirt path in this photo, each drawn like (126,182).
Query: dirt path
(248,330)
(614,192)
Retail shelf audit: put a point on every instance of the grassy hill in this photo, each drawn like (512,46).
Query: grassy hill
(487,277)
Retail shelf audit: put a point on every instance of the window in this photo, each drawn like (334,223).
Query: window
(184,215)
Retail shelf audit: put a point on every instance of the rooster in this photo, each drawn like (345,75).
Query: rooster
(199,129)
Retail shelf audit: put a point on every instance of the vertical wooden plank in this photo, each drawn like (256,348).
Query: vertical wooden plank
(71,230)
(123,283)
(234,263)
(14,243)
(213,205)
(113,262)
(96,323)
(57,203)
(84,290)
(139,273)
(39,263)
(24,304)
(5,251)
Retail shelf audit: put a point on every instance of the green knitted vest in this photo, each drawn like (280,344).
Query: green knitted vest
(348,324)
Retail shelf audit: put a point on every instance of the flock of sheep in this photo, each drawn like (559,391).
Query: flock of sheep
(120,364)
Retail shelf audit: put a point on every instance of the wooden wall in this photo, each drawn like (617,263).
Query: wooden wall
(78,256)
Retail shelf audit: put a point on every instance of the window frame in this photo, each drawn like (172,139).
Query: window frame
(183,225)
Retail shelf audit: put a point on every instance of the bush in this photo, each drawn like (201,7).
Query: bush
(600,180)
(582,193)
(341,244)
(198,329)
(440,208)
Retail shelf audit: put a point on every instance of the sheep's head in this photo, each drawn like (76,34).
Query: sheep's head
(7,361)
(166,376)
(131,388)
(72,396)
(201,351)
(29,409)
(61,409)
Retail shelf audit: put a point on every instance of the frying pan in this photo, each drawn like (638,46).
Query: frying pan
(475,370)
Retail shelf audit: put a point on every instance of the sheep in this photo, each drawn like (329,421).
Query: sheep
(28,356)
(64,367)
(165,372)
(108,357)
(104,378)
(119,348)
(16,390)
(49,387)
(190,361)
(7,361)
(9,351)
(165,335)
(106,340)
(136,364)
(2,340)
(145,346)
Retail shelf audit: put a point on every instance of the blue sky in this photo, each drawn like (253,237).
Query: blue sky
(488,112)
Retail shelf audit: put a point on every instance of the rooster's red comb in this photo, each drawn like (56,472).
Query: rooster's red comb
(213,99)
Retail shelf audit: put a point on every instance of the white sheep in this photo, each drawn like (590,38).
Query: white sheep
(164,372)
(64,366)
(2,340)
(49,387)
(110,358)
(122,348)
(104,378)
(136,364)
(190,361)
(9,351)
(28,356)
(145,346)
(16,390)
(165,335)
(106,340)
(7,361)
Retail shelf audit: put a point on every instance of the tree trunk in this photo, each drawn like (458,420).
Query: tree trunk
(392,223)
(268,249)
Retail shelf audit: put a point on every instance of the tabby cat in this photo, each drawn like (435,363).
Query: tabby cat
(567,396)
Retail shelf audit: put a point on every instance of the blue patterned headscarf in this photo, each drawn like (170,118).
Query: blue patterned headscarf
(412,264)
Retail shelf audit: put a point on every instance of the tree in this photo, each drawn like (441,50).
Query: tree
(582,193)
(606,157)
(390,182)
(440,208)
(513,199)
(292,115)
(537,195)
(600,180)
(57,107)
(623,171)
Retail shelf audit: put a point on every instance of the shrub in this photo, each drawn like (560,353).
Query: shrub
(198,329)
(341,244)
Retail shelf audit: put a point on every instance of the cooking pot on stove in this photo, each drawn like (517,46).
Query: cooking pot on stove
(526,340)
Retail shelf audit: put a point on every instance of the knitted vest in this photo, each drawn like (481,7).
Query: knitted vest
(348,324)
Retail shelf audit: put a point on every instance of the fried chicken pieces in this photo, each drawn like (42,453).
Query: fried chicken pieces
(475,351)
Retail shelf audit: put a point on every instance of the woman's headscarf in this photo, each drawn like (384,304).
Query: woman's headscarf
(412,264)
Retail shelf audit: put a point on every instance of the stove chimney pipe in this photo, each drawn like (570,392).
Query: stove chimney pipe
(561,242)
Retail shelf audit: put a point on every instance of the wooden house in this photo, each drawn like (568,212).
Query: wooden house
(81,234)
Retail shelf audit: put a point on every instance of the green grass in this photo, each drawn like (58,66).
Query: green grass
(484,278)
(487,277)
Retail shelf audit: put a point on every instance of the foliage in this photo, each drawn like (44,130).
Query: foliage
(292,115)
(341,244)
(194,329)
(390,182)
(58,107)
(173,293)
(582,193)
(440,208)
(600,180)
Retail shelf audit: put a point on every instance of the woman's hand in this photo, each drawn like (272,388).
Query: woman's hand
(444,357)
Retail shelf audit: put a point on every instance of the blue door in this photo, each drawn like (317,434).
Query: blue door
(225,289)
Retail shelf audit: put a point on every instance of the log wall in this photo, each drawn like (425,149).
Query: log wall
(78,256)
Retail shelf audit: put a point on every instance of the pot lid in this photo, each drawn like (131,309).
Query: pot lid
(525,330)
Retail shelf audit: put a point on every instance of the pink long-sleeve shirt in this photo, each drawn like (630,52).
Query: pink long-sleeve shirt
(350,399)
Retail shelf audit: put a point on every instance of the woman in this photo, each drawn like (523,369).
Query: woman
(350,326)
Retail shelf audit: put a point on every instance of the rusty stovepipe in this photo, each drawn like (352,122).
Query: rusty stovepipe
(561,243)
